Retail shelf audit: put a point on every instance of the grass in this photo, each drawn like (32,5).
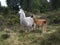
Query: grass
(11,33)
(15,35)
(22,38)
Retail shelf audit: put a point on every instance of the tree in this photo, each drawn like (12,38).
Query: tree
(29,5)
(13,4)
(55,4)
(44,6)
(0,4)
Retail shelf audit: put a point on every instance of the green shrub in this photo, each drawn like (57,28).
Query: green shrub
(53,38)
(4,36)
(54,19)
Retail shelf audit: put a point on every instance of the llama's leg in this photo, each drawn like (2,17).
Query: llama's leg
(37,27)
(44,28)
(40,27)
(29,28)
(34,26)
(26,29)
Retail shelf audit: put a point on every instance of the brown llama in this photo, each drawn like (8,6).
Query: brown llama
(40,23)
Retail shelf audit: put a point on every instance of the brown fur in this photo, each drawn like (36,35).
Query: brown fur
(40,22)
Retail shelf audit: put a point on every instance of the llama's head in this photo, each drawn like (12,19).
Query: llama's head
(20,10)
(32,15)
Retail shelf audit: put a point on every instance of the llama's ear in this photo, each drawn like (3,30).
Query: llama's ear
(32,16)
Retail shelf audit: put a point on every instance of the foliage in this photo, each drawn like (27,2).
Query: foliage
(34,5)
(4,10)
(54,18)
(29,38)
(29,5)
(9,17)
(13,20)
(51,39)
(55,4)
(4,36)
(12,4)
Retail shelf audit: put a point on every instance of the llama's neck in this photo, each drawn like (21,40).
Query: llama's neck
(35,19)
(22,15)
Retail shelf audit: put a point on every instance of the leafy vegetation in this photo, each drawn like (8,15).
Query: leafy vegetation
(10,37)
(12,33)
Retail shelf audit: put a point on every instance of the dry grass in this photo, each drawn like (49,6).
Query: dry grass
(30,38)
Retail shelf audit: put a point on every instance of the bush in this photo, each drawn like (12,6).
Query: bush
(4,36)
(13,19)
(51,39)
(54,18)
